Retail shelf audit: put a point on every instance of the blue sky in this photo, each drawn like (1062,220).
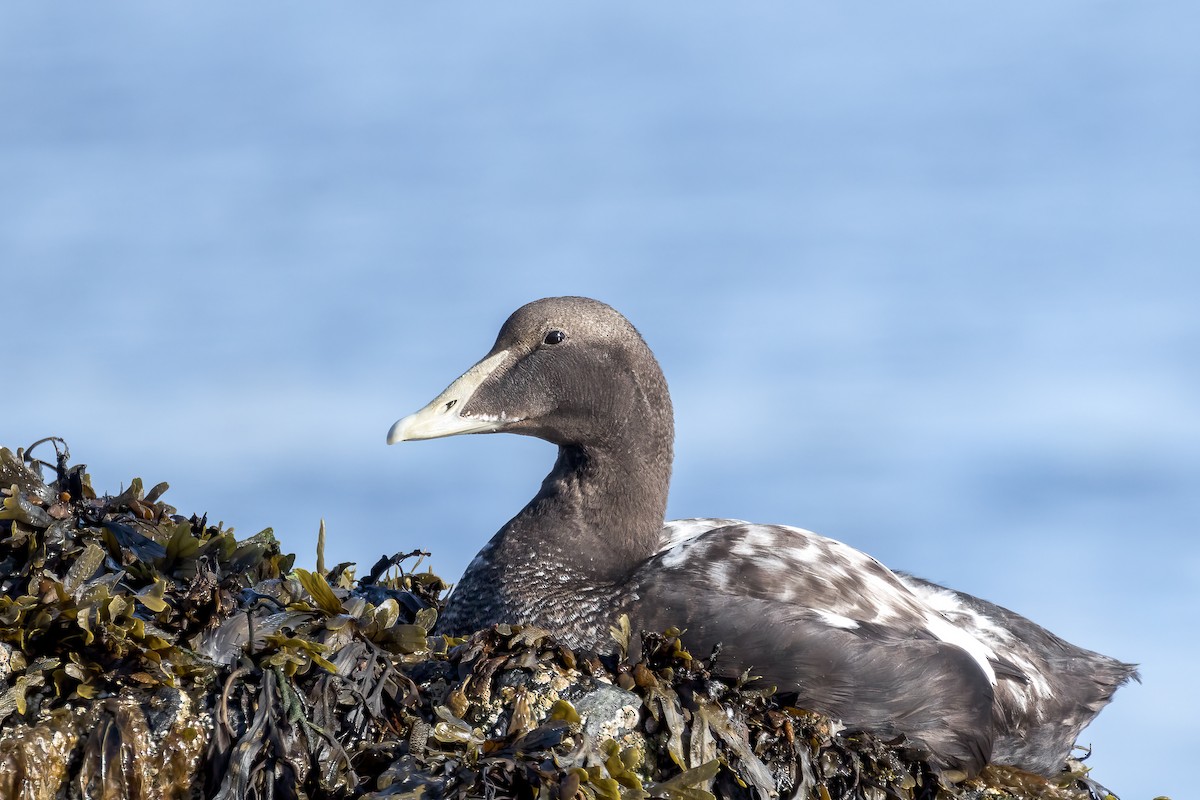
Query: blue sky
(922,278)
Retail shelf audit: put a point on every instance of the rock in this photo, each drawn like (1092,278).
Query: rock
(607,711)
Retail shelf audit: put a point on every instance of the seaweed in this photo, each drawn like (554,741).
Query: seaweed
(147,654)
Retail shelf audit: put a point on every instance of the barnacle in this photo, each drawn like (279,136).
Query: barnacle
(145,654)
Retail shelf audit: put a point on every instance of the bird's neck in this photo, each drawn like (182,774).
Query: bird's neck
(599,512)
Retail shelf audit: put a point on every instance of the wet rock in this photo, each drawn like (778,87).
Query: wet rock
(607,711)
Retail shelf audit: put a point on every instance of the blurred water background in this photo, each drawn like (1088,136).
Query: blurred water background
(922,277)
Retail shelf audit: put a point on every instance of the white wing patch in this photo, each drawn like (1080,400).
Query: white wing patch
(837,620)
(992,633)
(678,531)
(872,593)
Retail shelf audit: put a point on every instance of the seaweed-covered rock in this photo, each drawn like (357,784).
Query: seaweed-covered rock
(145,654)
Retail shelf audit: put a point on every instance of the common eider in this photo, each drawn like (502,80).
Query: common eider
(964,681)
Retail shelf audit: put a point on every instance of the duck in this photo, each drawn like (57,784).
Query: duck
(962,682)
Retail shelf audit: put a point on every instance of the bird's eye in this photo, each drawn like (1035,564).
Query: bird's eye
(554,337)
